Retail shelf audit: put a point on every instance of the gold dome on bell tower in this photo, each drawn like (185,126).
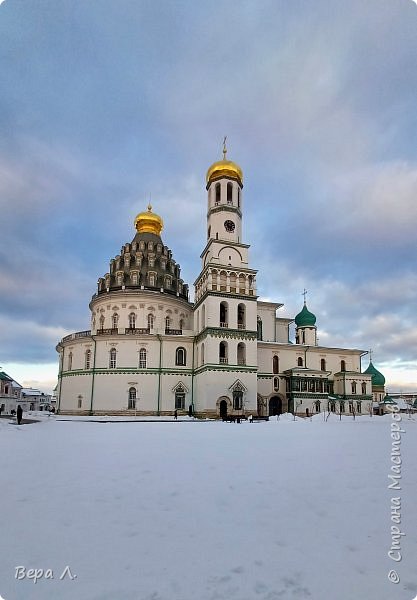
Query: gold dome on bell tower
(224,168)
(149,222)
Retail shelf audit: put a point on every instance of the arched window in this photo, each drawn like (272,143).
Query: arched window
(152,279)
(353,387)
(167,323)
(323,364)
(303,337)
(87,359)
(237,400)
(363,388)
(342,406)
(229,193)
(101,321)
(224,317)
(150,321)
(238,197)
(180,356)
(142,358)
(112,359)
(80,401)
(342,365)
(242,283)
(276,384)
(241,316)
(223,281)
(223,353)
(132,321)
(359,406)
(202,354)
(259,328)
(132,398)
(114,320)
(181,324)
(300,361)
(241,354)
(275,364)
(217,202)
(317,405)
(70,361)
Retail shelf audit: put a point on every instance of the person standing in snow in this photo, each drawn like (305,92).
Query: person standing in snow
(176,414)
(19,414)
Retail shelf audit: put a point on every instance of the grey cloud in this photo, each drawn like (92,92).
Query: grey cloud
(101,107)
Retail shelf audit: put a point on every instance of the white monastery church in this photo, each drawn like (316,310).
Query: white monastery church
(151,351)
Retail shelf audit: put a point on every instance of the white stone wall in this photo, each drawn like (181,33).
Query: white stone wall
(142,304)
(212,385)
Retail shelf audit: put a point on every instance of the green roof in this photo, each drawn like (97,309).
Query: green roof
(4,376)
(305,318)
(388,400)
(377,377)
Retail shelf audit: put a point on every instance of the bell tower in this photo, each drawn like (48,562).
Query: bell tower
(225,313)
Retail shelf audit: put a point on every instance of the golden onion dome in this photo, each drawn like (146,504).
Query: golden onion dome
(224,168)
(149,222)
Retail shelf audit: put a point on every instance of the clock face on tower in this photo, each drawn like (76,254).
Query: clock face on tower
(229,226)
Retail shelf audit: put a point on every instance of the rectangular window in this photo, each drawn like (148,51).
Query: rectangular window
(179,400)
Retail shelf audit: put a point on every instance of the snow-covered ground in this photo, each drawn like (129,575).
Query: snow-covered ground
(206,511)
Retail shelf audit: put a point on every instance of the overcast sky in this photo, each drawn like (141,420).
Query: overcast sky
(104,103)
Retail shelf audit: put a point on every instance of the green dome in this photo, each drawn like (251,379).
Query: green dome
(305,318)
(377,377)
(388,400)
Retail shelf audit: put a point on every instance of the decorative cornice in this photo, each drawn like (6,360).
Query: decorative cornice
(137,292)
(223,332)
(223,295)
(222,241)
(226,369)
(224,207)
(127,371)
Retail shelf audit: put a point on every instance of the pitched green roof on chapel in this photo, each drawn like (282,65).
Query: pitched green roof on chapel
(377,377)
(305,318)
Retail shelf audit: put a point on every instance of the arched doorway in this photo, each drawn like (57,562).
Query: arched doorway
(275,406)
(223,409)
